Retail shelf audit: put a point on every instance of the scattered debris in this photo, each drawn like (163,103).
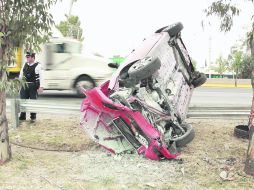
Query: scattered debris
(230,161)
(150,185)
(209,161)
(223,175)
(226,147)
(182,170)
(227,176)
(18,139)
(118,157)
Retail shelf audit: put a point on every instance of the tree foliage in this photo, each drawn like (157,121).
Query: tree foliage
(235,60)
(221,65)
(245,69)
(25,22)
(71,27)
(225,10)
(239,59)
(22,23)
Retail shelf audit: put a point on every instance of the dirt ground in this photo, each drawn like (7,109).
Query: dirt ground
(55,154)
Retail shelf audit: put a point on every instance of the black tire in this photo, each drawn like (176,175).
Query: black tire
(241,131)
(187,137)
(83,81)
(144,68)
(175,29)
(199,79)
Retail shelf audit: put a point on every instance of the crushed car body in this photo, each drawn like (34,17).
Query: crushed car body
(143,106)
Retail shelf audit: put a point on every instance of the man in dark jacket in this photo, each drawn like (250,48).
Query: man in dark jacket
(31,70)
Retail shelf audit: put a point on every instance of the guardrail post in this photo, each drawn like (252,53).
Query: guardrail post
(14,112)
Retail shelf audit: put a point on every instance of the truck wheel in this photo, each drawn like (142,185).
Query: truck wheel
(144,68)
(86,82)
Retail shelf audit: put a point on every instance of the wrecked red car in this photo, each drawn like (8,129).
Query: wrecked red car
(143,106)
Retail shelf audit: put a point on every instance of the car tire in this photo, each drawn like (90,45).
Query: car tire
(241,131)
(199,79)
(144,68)
(86,82)
(175,29)
(187,137)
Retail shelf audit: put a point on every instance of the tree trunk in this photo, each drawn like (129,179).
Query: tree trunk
(236,77)
(249,164)
(5,149)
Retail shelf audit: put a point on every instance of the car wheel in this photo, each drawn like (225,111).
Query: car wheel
(199,79)
(144,68)
(241,131)
(86,82)
(175,29)
(187,137)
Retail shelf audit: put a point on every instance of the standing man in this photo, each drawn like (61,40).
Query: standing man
(31,70)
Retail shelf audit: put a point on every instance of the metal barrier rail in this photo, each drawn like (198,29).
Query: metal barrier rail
(48,107)
(219,112)
(43,106)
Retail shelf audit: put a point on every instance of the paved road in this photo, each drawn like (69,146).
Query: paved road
(206,96)
(61,97)
(222,96)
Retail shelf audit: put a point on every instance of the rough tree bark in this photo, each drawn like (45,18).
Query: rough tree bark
(249,164)
(5,149)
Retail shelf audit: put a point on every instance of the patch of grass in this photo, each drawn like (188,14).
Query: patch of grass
(22,162)
(203,160)
(210,153)
(108,181)
(48,133)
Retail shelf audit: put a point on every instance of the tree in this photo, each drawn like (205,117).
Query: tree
(71,27)
(235,62)
(239,59)
(221,65)
(22,23)
(225,10)
(245,70)
(240,53)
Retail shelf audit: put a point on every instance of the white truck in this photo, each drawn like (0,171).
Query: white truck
(66,68)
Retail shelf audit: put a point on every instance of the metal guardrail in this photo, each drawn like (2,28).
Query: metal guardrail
(15,106)
(219,112)
(43,106)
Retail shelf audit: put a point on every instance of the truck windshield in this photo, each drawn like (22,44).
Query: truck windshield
(68,47)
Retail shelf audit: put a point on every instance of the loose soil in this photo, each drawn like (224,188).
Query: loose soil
(55,153)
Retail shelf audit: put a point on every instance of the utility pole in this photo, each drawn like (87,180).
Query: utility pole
(69,15)
(71,5)
(209,51)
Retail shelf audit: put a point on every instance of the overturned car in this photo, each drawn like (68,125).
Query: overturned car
(143,106)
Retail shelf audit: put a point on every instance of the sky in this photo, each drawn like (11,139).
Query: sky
(115,27)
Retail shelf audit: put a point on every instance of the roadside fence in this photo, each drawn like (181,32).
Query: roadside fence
(43,106)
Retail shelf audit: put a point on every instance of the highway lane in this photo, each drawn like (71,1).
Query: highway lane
(202,96)
(66,97)
(213,96)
